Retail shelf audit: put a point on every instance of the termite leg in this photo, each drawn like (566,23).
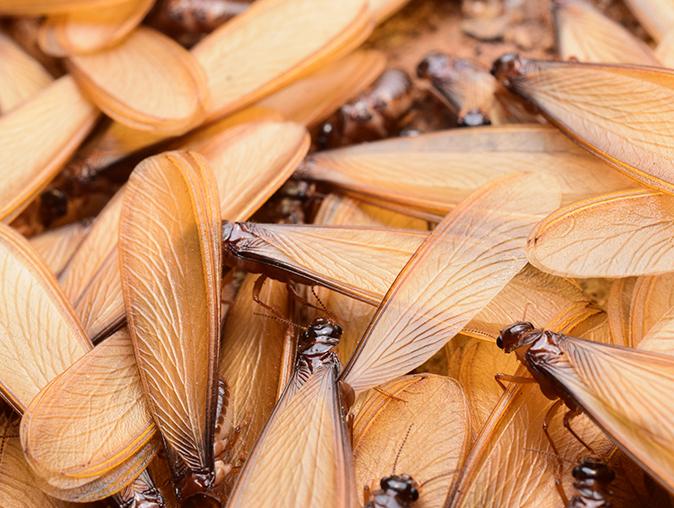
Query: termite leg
(366,494)
(572,413)
(387,394)
(558,476)
(500,377)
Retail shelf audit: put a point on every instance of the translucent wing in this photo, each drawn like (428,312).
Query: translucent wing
(58,245)
(39,7)
(616,235)
(89,30)
(586,34)
(627,393)
(251,162)
(652,297)
(438,170)
(154,66)
(21,76)
(660,337)
(620,113)
(255,352)
(665,50)
(17,482)
(254,55)
(306,430)
(312,99)
(91,418)
(657,16)
(382,9)
(37,138)
(40,335)
(618,307)
(91,279)
(417,425)
(465,262)
(359,262)
(170,269)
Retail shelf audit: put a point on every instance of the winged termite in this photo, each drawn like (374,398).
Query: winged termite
(57,118)
(382,9)
(465,85)
(306,429)
(374,114)
(403,333)
(242,60)
(39,7)
(311,99)
(17,483)
(397,491)
(594,104)
(170,75)
(21,76)
(172,302)
(417,425)
(188,21)
(58,246)
(255,355)
(90,30)
(657,16)
(652,297)
(434,171)
(618,308)
(584,33)
(615,235)
(583,375)
(592,478)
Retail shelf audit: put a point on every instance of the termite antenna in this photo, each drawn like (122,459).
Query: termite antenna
(281,320)
(323,307)
(402,445)
(526,309)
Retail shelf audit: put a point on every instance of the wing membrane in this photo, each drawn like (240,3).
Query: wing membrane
(170,271)
(59,245)
(657,16)
(652,298)
(465,262)
(616,235)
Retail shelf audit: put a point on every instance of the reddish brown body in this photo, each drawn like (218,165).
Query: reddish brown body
(142,493)
(592,478)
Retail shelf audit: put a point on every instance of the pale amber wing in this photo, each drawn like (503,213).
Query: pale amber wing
(339,210)
(37,138)
(39,7)
(586,34)
(312,99)
(147,82)
(89,30)
(17,482)
(39,334)
(615,235)
(660,337)
(21,76)
(628,394)
(360,262)
(307,431)
(91,418)
(418,425)
(250,162)
(253,356)
(256,53)
(657,16)
(665,49)
(619,308)
(435,171)
(169,254)
(91,279)
(620,113)
(470,256)
(382,9)
(653,297)
(57,246)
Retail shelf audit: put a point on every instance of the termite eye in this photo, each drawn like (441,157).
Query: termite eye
(499,342)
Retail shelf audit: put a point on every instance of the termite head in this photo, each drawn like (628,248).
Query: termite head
(507,67)
(595,470)
(320,337)
(402,485)
(432,65)
(514,336)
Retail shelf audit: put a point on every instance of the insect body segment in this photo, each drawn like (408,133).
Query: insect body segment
(591,480)
(397,491)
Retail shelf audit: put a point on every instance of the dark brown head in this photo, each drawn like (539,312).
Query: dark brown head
(592,469)
(321,337)
(514,336)
(507,67)
(402,486)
